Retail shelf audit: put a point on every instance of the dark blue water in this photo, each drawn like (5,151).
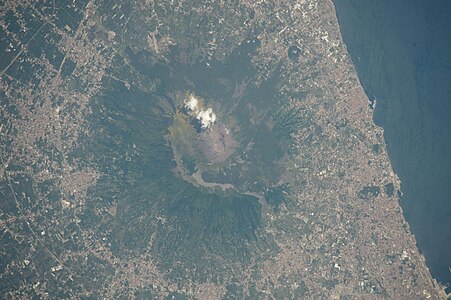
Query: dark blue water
(402,52)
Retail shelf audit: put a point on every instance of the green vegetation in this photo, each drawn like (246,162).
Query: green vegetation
(183,137)
(287,120)
(199,223)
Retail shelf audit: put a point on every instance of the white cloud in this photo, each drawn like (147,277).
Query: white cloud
(205,116)
(192,103)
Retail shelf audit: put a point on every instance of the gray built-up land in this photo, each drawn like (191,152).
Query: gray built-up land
(193,150)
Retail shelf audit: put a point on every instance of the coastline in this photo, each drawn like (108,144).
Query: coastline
(371,91)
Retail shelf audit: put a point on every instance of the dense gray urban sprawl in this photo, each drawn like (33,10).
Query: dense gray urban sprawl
(274,183)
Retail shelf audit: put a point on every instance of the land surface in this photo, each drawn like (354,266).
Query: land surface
(92,202)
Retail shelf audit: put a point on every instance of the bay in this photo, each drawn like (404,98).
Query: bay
(402,53)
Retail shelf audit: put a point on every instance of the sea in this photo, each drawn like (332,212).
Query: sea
(402,53)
